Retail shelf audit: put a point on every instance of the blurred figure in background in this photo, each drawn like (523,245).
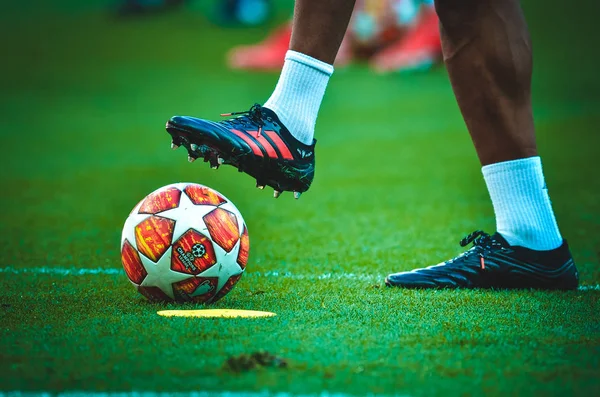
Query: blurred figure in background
(419,45)
(396,35)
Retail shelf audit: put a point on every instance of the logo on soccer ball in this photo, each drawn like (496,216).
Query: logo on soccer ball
(198,250)
(203,288)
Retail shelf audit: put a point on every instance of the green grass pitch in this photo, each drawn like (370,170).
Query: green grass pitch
(84,98)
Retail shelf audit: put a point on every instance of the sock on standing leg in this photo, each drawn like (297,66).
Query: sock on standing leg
(523,209)
(298,94)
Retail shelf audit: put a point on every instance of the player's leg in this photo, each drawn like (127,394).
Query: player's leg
(274,143)
(319,27)
(487,51)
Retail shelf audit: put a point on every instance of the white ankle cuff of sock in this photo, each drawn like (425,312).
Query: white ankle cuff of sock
(309,61)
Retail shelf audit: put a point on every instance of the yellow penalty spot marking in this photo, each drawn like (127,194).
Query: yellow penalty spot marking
(215,313)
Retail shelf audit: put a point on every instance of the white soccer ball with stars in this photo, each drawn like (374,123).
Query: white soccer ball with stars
(184,242)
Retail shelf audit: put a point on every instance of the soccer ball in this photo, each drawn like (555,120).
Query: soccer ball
(184,242)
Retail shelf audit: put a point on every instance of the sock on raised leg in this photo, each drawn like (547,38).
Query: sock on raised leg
(298,94)
(524,215)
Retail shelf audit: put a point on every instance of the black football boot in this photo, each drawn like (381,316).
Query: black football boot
(255,142)
(493,263)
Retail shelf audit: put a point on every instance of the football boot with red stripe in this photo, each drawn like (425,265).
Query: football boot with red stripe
(493,263)
(255,142)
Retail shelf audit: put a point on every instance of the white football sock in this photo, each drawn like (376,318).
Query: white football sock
(298,94)
(523,209)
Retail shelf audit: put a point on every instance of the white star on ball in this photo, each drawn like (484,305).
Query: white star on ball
(187,216)
(160,273)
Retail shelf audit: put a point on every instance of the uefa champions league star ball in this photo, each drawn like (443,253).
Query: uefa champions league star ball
(184,242)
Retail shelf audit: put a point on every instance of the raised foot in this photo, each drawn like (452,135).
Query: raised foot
(255,142)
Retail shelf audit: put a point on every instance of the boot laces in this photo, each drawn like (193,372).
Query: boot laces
(483,244)
(254,114)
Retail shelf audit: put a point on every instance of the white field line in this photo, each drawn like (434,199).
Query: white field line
(180,394)
(73,271)
(60,271)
